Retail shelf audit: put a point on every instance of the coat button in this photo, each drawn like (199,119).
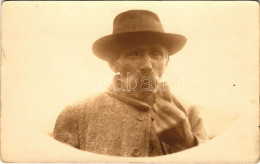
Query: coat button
(140,118)
(136,153)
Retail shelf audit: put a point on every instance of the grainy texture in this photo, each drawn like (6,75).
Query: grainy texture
(114,124)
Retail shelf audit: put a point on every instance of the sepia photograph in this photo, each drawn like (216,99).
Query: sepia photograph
(130,81)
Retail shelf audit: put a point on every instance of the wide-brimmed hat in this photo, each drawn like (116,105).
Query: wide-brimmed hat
(136,27)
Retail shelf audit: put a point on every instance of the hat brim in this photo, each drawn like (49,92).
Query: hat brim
(110,46)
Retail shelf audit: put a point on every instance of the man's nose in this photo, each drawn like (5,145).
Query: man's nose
(146,64)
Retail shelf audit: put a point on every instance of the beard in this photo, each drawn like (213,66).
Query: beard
(138,85)
(142,82)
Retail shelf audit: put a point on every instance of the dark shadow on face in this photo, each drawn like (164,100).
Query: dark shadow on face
(142,66)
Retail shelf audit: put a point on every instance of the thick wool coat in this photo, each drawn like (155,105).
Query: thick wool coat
(115,124)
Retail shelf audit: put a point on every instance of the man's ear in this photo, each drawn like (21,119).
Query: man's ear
(167,58)
(167,62)
(114,65)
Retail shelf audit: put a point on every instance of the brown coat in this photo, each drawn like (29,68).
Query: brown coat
(114,124)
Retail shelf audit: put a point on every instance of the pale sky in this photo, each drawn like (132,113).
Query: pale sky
(49,63)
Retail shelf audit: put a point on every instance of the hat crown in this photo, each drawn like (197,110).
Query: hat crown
(136,27)
(137,20)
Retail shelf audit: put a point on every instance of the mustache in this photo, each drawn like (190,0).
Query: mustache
(145,74)
(147,78)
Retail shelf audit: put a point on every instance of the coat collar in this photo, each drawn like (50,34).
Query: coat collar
(121,95)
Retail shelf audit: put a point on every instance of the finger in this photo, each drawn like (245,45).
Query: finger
(153,115)
(156,107)
(170,120)
(165,106)
(162,111)
(162,102)
(158,113)
(164,92)
(159,126)
(178,104)
(161,123)
(169,113)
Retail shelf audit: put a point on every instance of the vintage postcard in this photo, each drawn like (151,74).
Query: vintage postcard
(130,81)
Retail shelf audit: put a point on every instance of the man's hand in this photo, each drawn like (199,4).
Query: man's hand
(170,121)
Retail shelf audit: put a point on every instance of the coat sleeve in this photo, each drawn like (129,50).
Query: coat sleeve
(195,120)
(196,124)
(197,129)
(66,127)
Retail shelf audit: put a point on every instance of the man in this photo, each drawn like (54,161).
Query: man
(137,116)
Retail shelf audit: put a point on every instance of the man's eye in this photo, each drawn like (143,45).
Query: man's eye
(156,54)
(133,54)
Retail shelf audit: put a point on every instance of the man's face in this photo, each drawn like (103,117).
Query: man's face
(142,66)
